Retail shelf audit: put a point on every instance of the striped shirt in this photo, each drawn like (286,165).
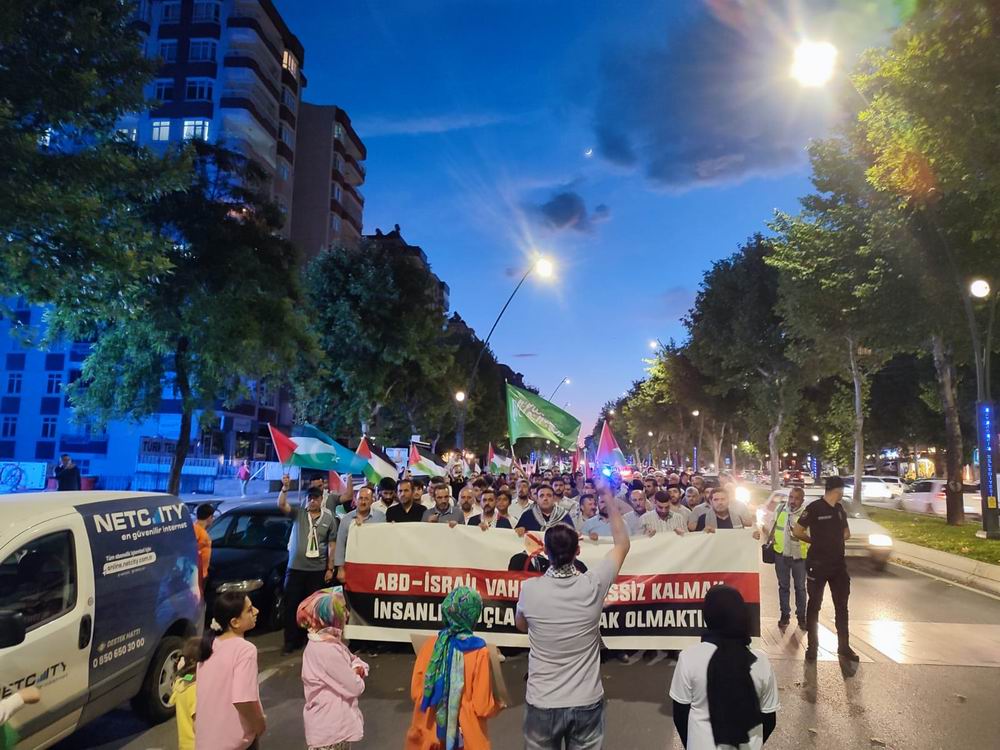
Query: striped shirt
(651,521)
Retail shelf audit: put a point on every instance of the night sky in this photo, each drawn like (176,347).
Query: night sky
(632,142)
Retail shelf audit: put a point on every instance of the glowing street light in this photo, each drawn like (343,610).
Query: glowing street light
(696,413)
(564,381)
(650,433)
(460,396)
(611,412)
(815,438)
(980,288)
(814,63)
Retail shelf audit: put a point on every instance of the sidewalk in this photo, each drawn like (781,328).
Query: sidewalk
(972,573)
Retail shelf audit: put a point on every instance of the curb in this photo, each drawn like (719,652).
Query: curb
(972,573)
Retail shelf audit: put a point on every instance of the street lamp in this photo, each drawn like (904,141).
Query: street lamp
(815,438)
(544,268)
(460,396)
(701,430)
(982,347)
(814,63)
(561,382)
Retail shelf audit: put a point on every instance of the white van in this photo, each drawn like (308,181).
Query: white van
(98,591)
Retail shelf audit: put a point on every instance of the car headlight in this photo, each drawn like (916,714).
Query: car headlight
(243,586)
(743,494)
(761,515)
(879,540)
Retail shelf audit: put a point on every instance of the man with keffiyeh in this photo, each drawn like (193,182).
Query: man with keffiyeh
(451,686)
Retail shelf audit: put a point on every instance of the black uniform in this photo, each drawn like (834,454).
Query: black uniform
(825,564)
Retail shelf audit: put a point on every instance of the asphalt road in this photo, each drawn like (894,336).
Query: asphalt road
(921,683)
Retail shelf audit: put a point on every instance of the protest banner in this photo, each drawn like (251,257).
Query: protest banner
(398,575)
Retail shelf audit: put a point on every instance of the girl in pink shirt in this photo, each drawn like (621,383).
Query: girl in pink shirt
(228,714)
(332,676)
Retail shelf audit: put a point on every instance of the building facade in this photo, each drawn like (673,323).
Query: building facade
(328,177)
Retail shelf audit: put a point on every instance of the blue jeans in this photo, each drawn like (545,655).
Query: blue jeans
(578,728)
(785,567)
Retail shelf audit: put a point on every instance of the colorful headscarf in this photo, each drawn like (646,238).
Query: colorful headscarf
(324,613)
(445,677)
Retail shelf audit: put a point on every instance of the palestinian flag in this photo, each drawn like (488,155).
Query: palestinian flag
(608,452)
(530,415)
(423,462)
(497,463)
(312,449)
(379,465)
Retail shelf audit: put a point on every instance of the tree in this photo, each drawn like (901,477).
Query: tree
(930,125)
(738,335)
(226,317)
(72,191)
(844,284)
(379,318)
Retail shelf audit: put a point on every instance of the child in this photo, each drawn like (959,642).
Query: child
(332,676)
(10,706)
(184,695)
(451,686)
(228,714)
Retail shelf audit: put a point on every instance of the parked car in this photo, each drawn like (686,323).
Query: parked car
(928,496)
(868,539)
(897,485)
(791,478)
(874,491)
(250,553)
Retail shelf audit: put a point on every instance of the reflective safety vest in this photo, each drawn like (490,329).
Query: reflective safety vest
(779,531)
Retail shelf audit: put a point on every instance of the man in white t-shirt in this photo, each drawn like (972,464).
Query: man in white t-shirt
(724,710)
(561,613)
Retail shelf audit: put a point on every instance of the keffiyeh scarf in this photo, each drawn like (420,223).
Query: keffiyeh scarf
(557,515)
(445,676)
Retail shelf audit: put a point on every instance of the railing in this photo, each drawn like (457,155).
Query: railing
(267,64)
(254,11)
(160,464)
(261,99)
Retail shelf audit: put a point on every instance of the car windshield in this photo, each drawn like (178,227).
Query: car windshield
(251,531)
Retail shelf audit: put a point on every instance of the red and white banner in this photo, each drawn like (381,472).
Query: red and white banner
(398,575)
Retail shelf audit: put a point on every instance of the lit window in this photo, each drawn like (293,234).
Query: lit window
(196,129)
(14,383)
(289,63)
(284,170)
(9,427)
(49,426)
(338,132)
(170,13)
(202,50)
(199,89)
(168,51)
(129,134)
(207,11)
(164,90)
(161,130)
(54,383)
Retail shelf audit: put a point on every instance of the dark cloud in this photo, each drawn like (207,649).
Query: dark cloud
(713,102)
(566,210)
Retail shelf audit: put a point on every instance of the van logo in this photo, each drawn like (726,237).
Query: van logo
(49,674)
(125,520)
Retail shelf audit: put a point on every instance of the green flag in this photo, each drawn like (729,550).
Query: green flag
(529,415)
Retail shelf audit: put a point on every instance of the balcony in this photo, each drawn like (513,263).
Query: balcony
(255,99)
(249,15)
(251,55)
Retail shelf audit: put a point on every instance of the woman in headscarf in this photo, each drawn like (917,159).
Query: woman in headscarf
(724,693)
(451,687)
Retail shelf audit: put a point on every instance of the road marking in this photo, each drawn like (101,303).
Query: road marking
(944,580)
(266,674)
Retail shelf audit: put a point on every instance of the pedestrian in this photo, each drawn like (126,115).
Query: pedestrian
(204,515)
(243,474)
(503,507)
(790,557)
(386,495)
(588,509)
(332,677)
(664,517)
(523,500)
(184,696)
(720,513)
(676,498)
(228,714)
(363,513)
(823,525)
(692,498)
(451,686)
(442,512)
(489,518)
(311,554)
(543,514)
(407,510)
(67,474)
(9,706)
(561,613)
(724,693)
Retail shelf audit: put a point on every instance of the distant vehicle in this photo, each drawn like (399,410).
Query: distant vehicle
(897,486)
(874,492)
(928,496)
(792,478)
(868,539)
(808,478)
(250,553)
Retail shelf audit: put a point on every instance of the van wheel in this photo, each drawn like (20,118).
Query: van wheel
(153,701)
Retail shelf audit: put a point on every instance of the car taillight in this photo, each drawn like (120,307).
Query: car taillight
(940,495)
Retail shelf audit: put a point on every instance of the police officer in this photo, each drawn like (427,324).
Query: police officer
(823,524)
(790,558)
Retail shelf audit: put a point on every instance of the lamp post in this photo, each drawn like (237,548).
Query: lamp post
(565,381)
(541,266)
(701,430)
(986,422)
